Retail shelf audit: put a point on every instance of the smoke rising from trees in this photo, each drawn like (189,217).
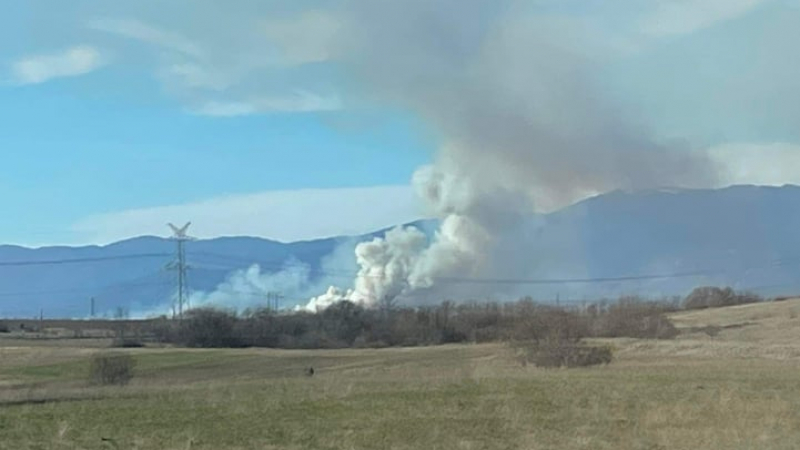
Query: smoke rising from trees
(522,124)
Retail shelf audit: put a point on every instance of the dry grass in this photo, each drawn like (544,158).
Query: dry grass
(761,313)
(763,330)
(732,391)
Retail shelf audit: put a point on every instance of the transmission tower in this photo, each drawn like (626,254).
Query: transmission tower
(179,265)
(273,300)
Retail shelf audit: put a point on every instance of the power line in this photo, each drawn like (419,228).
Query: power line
(137,282)
(521,281)
(573,280)
(642,277)
(183,293)
(180,262)
(80,290)
(46,262)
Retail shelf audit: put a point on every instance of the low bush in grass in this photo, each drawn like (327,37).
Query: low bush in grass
(127,343)
(562,353)
(4,328)
(715,297)
(632,317)
(208,327)
(111,369)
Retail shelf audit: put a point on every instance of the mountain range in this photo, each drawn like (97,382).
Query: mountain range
(652,243)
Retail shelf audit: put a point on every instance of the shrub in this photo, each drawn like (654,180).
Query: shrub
(360,342)
(127,343)
(163,330)
(317,339)
(207,327)
(539,322)
(111,368)
(4,328)
(563,353)
(714,297)
(631,317)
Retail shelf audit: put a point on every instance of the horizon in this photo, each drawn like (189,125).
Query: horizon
(167,236)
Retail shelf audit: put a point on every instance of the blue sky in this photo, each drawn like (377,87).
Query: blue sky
(120,116)
(116,139)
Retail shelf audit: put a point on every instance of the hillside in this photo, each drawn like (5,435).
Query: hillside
(771,323)
(742,236)
(768,330)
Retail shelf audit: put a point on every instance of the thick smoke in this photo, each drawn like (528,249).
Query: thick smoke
(245,288)
(386,264)
(249,287)
(523,123)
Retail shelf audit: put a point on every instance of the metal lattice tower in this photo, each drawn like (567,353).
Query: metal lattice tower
(179,265)
(273,300)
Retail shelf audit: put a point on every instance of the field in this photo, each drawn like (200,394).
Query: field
(730,381)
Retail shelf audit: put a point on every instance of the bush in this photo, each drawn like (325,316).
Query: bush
(209,328)
(536,323)
(4,328)
(127,343)
(164,330)
(317,339)
(111,368)
(563,353)
(634,318)
(714,297)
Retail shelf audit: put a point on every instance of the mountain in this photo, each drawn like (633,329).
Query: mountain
(742,236)
(619,242)
(61,281)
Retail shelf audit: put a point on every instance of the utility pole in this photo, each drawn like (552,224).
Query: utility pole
(179,265)
(91,314)
(273,300)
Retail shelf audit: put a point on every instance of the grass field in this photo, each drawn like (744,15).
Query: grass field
(730,381)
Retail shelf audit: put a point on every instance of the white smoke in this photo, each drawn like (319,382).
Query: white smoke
(249,287)
(246,288)
(522,122)
(331,296)
(387,269)
(513,95)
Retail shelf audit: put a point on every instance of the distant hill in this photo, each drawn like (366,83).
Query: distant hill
(132,273)
(743,236)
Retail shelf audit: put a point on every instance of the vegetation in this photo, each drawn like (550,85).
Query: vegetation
(346,324)
(127,343)
(737,391)
(562,353)
(715,297)
(111,369)
(632,317)
(447,397)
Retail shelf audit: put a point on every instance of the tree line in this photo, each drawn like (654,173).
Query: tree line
(347,324)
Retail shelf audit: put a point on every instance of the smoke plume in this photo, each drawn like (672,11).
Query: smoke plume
(523,125)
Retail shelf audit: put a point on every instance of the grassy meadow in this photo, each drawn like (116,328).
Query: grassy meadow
(729,381)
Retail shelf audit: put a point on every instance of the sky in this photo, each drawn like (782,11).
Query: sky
(247,117)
